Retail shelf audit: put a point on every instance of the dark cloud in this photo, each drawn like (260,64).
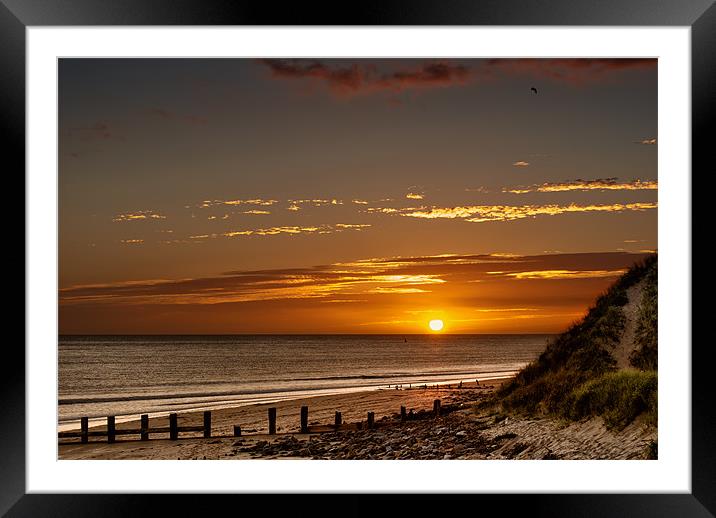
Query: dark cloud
(357,78)
(361,77)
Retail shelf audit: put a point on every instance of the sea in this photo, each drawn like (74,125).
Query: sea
(126,376)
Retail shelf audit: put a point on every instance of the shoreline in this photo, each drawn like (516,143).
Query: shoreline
(460,432)
(286,397)
(253,419)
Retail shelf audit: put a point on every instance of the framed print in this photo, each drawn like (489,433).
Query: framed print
(410,252)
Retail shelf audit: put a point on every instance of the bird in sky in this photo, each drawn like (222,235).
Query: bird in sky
(533,89)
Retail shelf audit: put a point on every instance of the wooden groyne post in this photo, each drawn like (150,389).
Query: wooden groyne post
(304,419)
(110,428)
(173,427)
(207,424)
(339,420)
(436,407)
(403,415)
(371,420)
(84,426)
(237,430)
(144,427)
(272,420)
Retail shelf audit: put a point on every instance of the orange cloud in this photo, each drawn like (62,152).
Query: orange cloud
(364,280)
(484,213)
(272,231)
(565,274)
(609,184)
(257,201)
(138,216)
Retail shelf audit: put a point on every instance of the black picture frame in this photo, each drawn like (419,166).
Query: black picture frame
(699,15)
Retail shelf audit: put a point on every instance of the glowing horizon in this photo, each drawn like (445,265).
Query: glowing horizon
(350,195)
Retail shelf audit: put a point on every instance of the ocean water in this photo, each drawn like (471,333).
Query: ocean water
(130,375)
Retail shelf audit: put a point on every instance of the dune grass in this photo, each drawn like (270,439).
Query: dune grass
(646,333)
(576,376)
(618,397)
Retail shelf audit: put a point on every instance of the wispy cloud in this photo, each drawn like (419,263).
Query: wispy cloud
(600,184)
(485,213)
(414,196)
(131,241)
(294,229)
(647,141)
(566,274)
(521,163)
(365,280)
(138,216)
(296,205)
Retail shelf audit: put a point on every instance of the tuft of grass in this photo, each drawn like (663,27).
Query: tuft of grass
(616,396)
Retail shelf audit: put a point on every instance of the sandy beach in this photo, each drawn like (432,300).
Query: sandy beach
(253,419)
(460,433)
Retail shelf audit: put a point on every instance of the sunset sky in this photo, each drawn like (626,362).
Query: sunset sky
(350,196)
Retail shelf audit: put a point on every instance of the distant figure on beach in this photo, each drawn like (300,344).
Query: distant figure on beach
(477,382)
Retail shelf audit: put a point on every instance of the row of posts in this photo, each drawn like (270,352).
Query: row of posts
(174,427)
(144,429)
(338,419)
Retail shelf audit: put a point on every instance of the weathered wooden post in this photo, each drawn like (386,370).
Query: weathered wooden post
(207,423)
(173,427)
(338,419)
(402,413)
(84,428)
(144,427)
(304,419)
(436,407)
(237,430)
(371,420)
(110,428)
(272,420)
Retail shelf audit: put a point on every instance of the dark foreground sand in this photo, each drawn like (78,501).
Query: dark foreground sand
(460,432)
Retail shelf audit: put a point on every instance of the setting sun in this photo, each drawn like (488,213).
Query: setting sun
(436,325)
